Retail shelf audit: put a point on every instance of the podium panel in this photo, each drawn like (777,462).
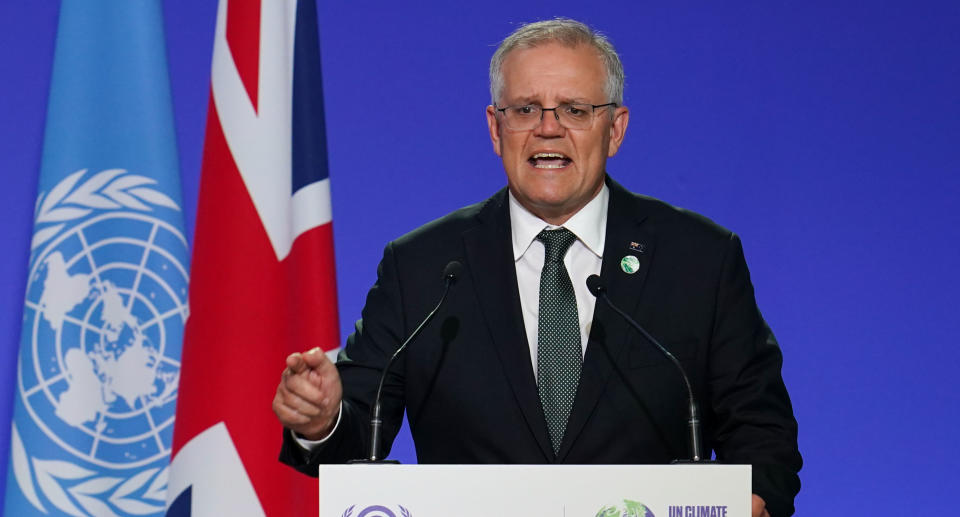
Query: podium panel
(535,490)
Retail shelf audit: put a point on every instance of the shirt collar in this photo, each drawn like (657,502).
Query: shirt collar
(589,224)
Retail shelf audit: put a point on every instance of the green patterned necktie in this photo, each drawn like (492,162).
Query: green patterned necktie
(558,335)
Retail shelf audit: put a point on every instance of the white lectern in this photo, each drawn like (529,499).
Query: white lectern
(535,490)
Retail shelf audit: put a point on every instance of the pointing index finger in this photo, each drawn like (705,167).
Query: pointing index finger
(315,358)
(295,362)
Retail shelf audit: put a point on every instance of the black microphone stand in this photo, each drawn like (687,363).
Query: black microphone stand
(693,422)
(376,423)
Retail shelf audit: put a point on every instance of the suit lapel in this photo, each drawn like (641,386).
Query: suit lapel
(626,236)
(489,256)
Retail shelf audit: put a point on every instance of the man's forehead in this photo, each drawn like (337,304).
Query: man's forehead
(545,50)
(564,73)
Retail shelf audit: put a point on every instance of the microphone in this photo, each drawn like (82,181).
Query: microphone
(450,274)
(596,287)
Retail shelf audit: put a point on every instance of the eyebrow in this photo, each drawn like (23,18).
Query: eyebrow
(523,101)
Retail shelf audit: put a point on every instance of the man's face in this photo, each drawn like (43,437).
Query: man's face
(548,75)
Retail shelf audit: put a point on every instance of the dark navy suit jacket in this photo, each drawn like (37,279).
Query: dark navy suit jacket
(467,382)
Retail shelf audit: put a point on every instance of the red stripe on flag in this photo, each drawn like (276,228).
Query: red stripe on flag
(247,313)
(312,289)
(243,39)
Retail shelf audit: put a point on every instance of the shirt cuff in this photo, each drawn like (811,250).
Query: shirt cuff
(310,445)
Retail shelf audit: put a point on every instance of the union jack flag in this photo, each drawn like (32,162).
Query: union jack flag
(263,282)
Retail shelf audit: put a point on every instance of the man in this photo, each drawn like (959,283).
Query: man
(521,365)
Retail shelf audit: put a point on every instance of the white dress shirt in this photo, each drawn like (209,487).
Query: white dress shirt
(583,259)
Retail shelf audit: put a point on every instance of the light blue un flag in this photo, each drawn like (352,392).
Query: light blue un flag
(106,294)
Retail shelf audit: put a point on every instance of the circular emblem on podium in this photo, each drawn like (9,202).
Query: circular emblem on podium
(627,509)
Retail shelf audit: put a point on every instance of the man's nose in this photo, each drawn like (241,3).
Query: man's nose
(549,124)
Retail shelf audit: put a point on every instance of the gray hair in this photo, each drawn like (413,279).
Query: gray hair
(567,32)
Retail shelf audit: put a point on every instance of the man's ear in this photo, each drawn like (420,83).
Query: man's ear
(493,124)
(618,129)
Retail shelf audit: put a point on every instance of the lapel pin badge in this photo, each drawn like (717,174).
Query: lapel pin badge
(629,264)
(638,247)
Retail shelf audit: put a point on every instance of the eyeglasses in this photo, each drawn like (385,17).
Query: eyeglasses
(569,115)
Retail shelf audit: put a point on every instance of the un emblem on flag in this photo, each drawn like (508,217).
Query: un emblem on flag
(99,363)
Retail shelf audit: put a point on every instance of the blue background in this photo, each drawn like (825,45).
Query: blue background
(827,134)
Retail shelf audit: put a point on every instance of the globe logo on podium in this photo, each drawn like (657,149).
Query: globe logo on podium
(627,509)
(105,297)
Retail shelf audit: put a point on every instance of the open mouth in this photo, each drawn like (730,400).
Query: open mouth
(549,160)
